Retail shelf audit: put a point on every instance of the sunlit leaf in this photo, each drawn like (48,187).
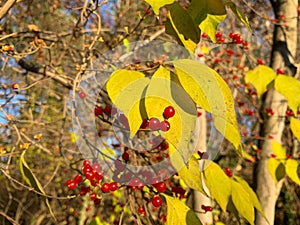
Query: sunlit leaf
(211,93)
(295,127)
(218,183)
(242,201)
(289,87)
(260,78)
(97,221)
(125,88)
(239,14)
(191,174)
(276,169)
(210,25)
(186,30)
(164,91)
(251,194)
(279,151)
(292,169)
(32,181)
(179,214)
(157,4)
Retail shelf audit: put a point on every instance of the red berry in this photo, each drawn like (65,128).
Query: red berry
(98,111)
(273,155)
(90,175)
(279,71)
(107,109)
(204,35)
(96,166)
(82,94)
(164,145)
(98,176)
(154,124)
(113,186)
(15,86)
(86,163)
(78,179)
(105,187)
(148,11)
(165,126)
(260,62)
(97,201)
(93,196)
(169,112)
(72,185)
(141,210)
(156,201)
(206,208)
(218,34)
(125,156)
(69,181)
(161,186)
(228,172)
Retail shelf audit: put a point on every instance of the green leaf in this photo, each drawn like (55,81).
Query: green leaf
(32,181)
(191,174)
(289,87)
(292,169)
(126,89)
(279,151)
(260,77)
(179,214)
(157,4)
(276,169)
(210,25)
(164,91)
(295,127)
(218,183)
(181,22)
(211,93)
(242,201)
(251,194)
(199,9)
(239,14)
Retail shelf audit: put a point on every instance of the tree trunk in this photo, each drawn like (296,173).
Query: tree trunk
(283,53)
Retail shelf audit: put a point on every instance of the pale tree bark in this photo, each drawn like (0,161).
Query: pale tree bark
(197,199)
(283,53)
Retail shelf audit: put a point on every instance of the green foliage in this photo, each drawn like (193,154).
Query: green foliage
(32,181)
(260,78)
(179,214)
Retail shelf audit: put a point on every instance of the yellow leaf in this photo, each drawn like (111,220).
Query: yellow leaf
(279,151)
(242,201)
(218,183)
(125,88)
(191,174)
(239,14)
(292,169)
(163,91)
(251,193)
(295,127)
(179,214)
(210,23)
(157,4)
(276,169)
(260,78)
(289,87)
(211,93)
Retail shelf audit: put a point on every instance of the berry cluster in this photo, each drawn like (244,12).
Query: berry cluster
(94,174)
(155,124)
